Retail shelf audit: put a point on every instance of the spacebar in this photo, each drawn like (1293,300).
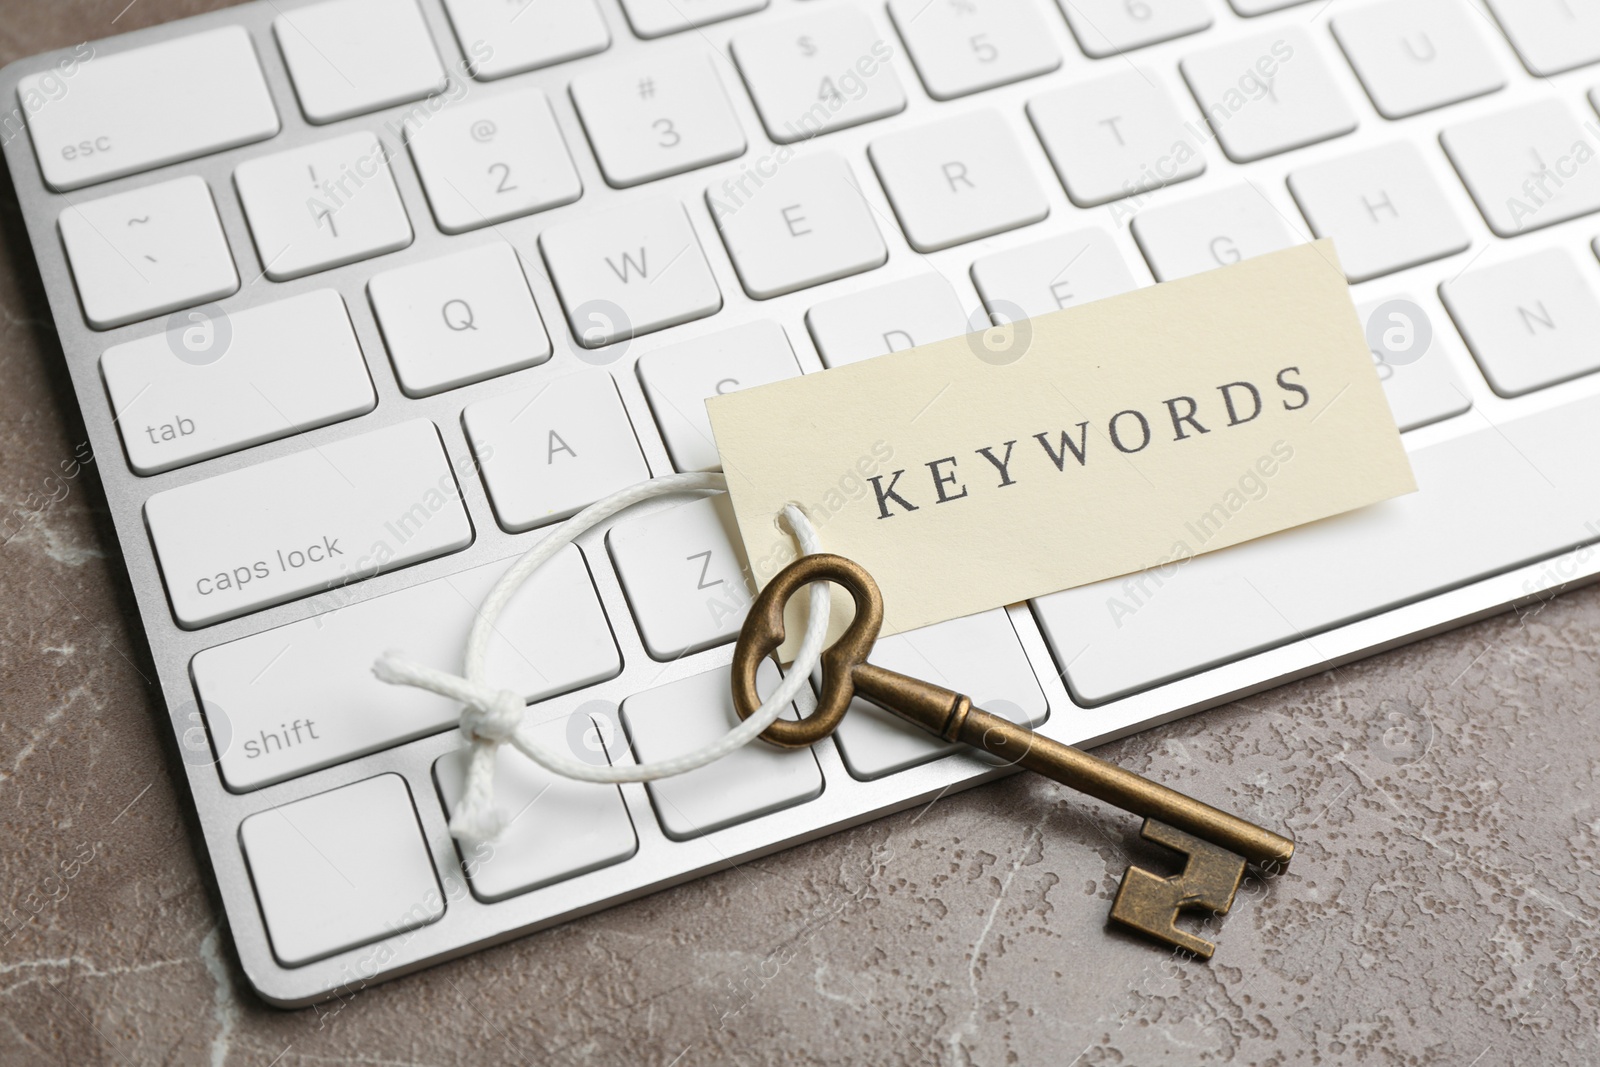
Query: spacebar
(1488,501)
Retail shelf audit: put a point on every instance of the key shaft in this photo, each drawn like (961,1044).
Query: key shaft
(948,714)
(952,716)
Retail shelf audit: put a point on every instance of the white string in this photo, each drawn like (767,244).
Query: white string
(491,717)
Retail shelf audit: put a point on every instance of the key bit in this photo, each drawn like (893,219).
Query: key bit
(1150,903)
(1219,845)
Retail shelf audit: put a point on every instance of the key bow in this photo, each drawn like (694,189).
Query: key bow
(763,632)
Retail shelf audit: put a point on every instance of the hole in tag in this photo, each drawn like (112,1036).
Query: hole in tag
(780,523)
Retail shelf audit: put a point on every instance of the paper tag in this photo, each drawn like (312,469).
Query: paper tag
(1092,442)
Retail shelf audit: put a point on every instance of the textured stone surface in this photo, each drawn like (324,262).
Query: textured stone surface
(1443,909)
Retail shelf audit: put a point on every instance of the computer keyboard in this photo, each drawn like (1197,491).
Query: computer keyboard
(360,296)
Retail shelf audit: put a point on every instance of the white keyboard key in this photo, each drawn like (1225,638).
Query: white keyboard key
(1115,136)
(1416,55)
(348,57)
(1530,322)
(1551,35)
(1045,276)
(548,451)
(341,869)
(1264,95)
(1489,500)
(818,72)
(322,206)
(501,37)
(208,386)
(1209,231)
(1382,208)
(1250,8)
(305,523)
(807,225)
(1413,361)
(957,180)
(301,697)
(977,655)
(1527,168)
(1107,27)
(904,314)
(459,318)
(629,271)
(963,46)
(683,575)
(679,378)
(486,161)
(657,18)
(559,828)
(147,251)
(750,782)
(664,115)
(136,110)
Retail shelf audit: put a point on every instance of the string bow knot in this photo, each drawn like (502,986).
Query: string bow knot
(494,721)
(493,717)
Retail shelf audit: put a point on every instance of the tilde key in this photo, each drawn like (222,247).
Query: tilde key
(1218,845)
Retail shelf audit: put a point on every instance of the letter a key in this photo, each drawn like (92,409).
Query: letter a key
(1218,845)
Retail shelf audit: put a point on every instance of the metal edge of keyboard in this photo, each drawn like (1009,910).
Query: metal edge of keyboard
(468,925)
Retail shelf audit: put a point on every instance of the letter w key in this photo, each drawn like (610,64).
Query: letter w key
(630,270)
(629,265)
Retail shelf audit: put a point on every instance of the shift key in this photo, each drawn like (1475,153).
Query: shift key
(306,522)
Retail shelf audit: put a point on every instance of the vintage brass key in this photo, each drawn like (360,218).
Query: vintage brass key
(1218,845)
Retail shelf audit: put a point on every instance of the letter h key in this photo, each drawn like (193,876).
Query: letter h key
(1217,846)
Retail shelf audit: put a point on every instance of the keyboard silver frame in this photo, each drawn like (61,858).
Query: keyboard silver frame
(467,924)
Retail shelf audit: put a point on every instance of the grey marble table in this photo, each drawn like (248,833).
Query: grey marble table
(1442,910)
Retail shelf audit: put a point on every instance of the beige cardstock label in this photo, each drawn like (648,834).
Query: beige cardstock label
(1092,442)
